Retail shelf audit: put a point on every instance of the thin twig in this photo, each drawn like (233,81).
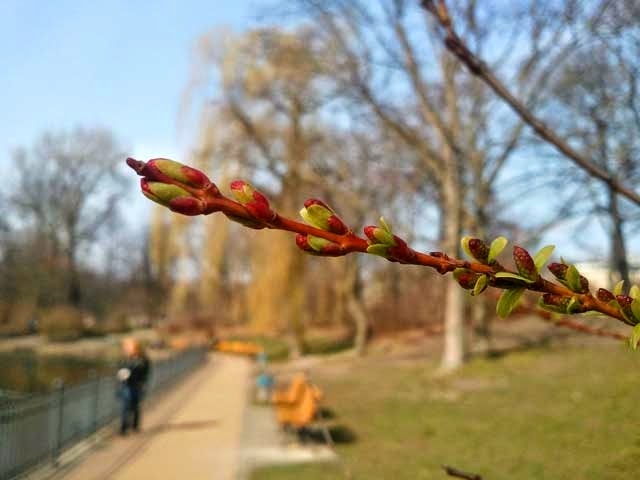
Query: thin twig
(480,69)
(454,472)
(205,198)
(566,322)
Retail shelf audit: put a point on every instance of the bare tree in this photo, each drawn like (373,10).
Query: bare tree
(459,48)
(388,61)
(68,187)
(596,108)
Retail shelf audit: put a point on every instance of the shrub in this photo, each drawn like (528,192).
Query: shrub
(62,323)
(116,322)
(17,318)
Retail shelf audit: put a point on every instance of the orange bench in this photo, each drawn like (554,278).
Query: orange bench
(298,406)
(291,394)
(241,348)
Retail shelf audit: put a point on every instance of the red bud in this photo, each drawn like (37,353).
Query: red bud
(315,201)
(187,206)
(336,225)
(196,178)
(604,295)
(625,302)
(369,232)
(524,263)
(559,270)
(465,278)
(479,249)
(253,200)
(303,243)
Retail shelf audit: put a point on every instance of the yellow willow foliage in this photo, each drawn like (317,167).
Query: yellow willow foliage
(216,227)
(268,295)
(211,261)
(159,245)
(166,248)
(340,271)
(181,254)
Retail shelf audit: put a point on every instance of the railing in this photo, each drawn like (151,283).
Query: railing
(38,428)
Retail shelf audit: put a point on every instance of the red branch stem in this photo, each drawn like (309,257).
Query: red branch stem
(351,242)
(189,191)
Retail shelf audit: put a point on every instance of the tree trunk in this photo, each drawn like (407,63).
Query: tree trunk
(294,298)
(295,309)
(480,311)
(454,345)
(356,308)
(74,294)
(482,325)
(454,342)
(618,254)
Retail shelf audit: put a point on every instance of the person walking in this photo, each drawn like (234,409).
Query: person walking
(132,375)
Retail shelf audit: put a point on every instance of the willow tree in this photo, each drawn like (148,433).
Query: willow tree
(269,97)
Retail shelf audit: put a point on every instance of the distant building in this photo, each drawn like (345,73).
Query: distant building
(600,276)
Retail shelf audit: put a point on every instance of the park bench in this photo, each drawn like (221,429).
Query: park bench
(238,347)
(291,394)
(298,407)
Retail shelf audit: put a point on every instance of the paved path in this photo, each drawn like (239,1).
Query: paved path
(192,432)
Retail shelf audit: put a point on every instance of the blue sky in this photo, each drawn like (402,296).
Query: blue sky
(118,64)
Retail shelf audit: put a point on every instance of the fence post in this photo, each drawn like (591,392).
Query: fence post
(59,384)
(96,395)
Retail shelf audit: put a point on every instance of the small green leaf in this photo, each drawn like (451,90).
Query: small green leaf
(634,339)
(635,308)
(574,305)
(383,236)
(465,246)
(385,225)
(508,300)
(572,278)
(634,292)
(549,308)
(317,243)
(513,276)
(316,215)
(617,290)
(542,257)
(480,285)
(378,249)
(497,246)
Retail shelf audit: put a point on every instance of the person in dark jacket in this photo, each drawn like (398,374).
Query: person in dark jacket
(132,375)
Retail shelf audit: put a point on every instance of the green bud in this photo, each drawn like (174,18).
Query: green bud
(162,193)
(316,215)
(317,243)
(378,249)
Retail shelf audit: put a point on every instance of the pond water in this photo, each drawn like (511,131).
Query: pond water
(26,372)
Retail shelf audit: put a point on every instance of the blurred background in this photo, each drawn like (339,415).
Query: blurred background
(355,102)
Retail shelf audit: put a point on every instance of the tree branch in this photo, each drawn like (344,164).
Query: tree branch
(454,472)
(480,69)
(188,191)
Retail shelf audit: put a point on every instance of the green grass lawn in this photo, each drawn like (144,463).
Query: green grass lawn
(277,349)
(561,413)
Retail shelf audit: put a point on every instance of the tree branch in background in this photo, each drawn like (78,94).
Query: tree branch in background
(188,191)
(565,322)
(477,67)
(454,472)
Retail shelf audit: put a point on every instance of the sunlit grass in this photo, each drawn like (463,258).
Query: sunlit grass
(543,414)
(277,349)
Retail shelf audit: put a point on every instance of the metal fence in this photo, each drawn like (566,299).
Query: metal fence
(38,428)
